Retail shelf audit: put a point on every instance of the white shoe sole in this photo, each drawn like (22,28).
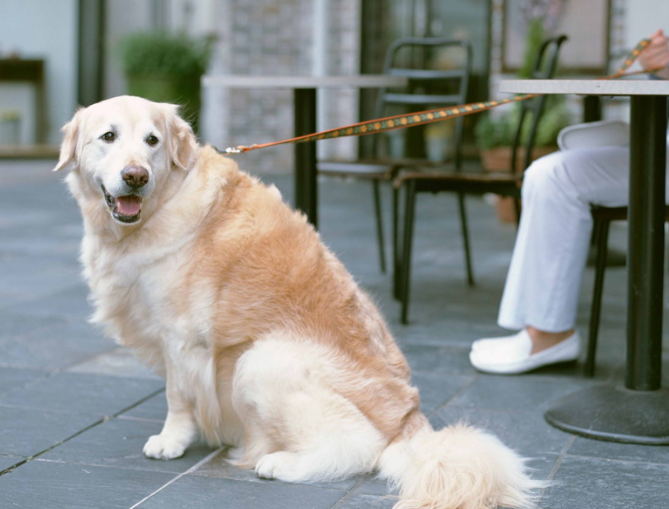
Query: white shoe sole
(489,360)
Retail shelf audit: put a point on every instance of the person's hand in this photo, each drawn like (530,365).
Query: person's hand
(656,54)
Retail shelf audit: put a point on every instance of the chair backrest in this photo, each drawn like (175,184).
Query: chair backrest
(545,65)
(420,59)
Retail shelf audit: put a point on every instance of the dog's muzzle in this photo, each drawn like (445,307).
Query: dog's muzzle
(125,209)
(128,207)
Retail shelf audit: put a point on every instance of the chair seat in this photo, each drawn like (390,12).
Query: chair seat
(473,182)
(610,213)
(461,181)
(616,213)
(428,85)
(373,169)
(378,168)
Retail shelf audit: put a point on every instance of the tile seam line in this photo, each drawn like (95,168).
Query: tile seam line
(458,393)
(179,476)
(68,368)
(339,503)
(619,460)
(119,414)
(46,373)
(221,449)
(556,466)
(91,426)
(99,465)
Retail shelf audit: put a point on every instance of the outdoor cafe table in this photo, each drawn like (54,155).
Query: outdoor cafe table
(637,412)
(305,122)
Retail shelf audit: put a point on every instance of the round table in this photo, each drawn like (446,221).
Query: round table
(638,411)
(305,122)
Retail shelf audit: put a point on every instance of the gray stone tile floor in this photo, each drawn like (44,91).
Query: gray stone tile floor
(75,409)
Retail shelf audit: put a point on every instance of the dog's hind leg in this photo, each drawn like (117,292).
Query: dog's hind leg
(297,427)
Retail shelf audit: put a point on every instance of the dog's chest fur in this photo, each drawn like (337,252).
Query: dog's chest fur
(141,306)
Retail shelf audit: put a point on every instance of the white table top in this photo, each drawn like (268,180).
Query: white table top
(259,81)
(586,87)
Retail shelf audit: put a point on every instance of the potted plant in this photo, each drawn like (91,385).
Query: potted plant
(495,132)
(166,67)
(494,135)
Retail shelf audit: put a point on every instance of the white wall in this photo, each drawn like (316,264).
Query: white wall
(644,17)
(48,30)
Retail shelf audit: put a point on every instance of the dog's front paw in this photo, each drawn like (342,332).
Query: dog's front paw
(161,448)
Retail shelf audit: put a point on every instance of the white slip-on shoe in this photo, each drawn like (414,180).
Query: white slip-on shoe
(503,342)
(514,357)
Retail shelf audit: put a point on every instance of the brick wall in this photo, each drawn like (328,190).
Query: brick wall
(266,37)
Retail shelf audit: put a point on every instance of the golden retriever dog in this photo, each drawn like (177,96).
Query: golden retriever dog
(265,341)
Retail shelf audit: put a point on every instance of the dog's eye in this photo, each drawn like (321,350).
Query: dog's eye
(109,136)
(151,140)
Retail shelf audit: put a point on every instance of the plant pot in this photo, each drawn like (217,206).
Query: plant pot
(499,158)
(505,209)
(184,91)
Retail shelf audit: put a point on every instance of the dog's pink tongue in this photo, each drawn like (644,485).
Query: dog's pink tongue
(129,205)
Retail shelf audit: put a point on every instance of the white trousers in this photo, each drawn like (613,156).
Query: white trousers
(551,249)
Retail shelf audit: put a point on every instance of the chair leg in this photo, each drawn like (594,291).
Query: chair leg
(465,238)
(379,225)
(601,236)
(397,253)
(407,241)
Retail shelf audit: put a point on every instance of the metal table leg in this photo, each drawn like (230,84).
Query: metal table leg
(306,186)
(639,411)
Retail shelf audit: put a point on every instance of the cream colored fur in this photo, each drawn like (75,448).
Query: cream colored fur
(265,340)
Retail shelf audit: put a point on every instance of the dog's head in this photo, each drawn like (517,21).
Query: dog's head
(123,150)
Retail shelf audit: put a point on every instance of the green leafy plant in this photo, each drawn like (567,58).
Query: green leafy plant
(161,53)
(536,34)
(165,67)
(498,130)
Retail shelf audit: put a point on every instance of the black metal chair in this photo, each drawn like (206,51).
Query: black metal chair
(429,87)
(603,217)
(435,180)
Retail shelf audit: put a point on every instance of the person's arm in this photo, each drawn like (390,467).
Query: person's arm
(656,55)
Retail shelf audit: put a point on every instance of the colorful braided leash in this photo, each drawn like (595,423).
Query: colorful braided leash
(425,117)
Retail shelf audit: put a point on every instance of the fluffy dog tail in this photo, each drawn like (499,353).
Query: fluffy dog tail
(459,467)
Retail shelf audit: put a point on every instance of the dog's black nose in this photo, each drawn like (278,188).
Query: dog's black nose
(135,176)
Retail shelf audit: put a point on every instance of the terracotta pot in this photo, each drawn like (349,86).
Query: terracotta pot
(505,209)
(499,159)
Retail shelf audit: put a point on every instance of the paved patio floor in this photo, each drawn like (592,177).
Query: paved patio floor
(75,410)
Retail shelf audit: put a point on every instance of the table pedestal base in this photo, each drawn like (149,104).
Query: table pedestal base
(614,414)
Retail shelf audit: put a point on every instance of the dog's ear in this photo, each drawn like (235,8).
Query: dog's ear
(68,149)
(182,143)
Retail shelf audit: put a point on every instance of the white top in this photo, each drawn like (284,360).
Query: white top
(259,81)
(586,87)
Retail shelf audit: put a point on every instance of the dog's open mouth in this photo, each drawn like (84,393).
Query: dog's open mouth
(124,208)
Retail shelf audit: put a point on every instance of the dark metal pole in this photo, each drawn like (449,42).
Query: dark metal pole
(646,242)
(306,185)
(592,108)
(91,51)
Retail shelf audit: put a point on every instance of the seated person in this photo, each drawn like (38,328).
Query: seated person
(541,292)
